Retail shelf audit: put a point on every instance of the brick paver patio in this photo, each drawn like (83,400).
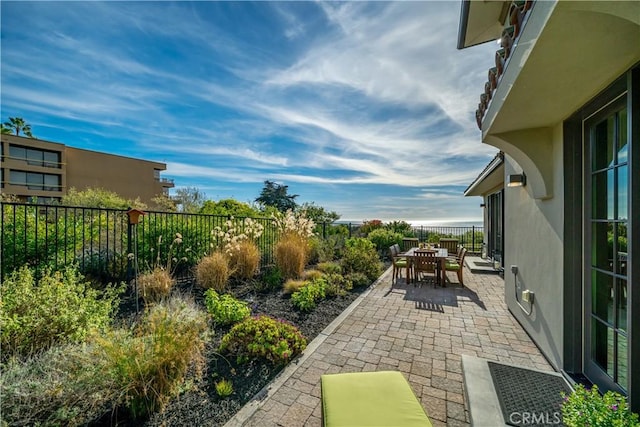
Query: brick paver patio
(419,331)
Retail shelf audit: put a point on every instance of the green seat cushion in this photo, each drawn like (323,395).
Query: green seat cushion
(401,262)
(452,266)
(370,399)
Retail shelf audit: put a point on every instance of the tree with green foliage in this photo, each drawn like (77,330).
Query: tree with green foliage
(318,214)
(99,198)
(229,207)
(17,125)
(189,199)
(163,203)
(276,195)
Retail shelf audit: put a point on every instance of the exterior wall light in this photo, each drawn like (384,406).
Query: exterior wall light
(517,180)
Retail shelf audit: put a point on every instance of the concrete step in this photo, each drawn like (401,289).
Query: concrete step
(479,265)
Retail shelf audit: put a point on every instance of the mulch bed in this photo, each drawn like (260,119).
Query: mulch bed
(199,405)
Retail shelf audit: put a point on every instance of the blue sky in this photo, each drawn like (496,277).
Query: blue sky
(365,108)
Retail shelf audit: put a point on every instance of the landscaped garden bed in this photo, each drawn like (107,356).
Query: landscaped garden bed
(199,404)
(157,352)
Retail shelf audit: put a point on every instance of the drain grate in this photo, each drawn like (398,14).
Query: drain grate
(528,398)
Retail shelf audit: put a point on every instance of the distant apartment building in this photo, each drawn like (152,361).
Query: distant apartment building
(33,168)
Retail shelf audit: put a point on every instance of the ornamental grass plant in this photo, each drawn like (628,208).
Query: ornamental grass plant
(291,253)
(213,271)
(148,363)
(65,385)
(245,259)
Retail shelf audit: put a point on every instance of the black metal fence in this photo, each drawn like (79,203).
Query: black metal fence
(106,245)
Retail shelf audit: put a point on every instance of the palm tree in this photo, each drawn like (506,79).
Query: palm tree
(17,125)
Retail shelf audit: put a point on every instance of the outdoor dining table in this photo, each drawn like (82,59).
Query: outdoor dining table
(441,255)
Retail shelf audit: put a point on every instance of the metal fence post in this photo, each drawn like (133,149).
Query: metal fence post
(473,238)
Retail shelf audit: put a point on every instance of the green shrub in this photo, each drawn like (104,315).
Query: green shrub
(332,247)
(271,279)
(213,271)
(224,388)
(330,267)
(225,309)
(358,279)
(291,255)
(588,408)
(306,298)
(383,238)
(337,285)
(368,226)
(149,362)
(65,385)
(60,308)
(401,227)
(360,256)
(263,337)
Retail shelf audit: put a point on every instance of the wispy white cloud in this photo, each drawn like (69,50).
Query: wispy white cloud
(356,94)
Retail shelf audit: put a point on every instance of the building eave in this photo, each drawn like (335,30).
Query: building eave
(491,177)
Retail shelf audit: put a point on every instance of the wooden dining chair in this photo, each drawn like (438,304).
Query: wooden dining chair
(425,262)
(398,262)
(451,245)
(457,266)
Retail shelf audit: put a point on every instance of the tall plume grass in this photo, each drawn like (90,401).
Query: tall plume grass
(213,271)
(291,253)
(245,259)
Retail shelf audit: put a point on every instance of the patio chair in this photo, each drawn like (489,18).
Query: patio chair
(409,242)
(399,262)
(451,245)
(457,265)
(367,399)
(425,261)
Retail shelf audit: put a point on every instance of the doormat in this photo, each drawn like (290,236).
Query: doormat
(527,397)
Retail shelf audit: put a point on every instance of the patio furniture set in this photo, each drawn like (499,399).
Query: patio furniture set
(421,261)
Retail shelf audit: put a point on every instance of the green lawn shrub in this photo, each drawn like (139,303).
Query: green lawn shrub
(149,362)
(225,309)
(360,256)
(61,307)
(213,271)
(263,337)
(307,297)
